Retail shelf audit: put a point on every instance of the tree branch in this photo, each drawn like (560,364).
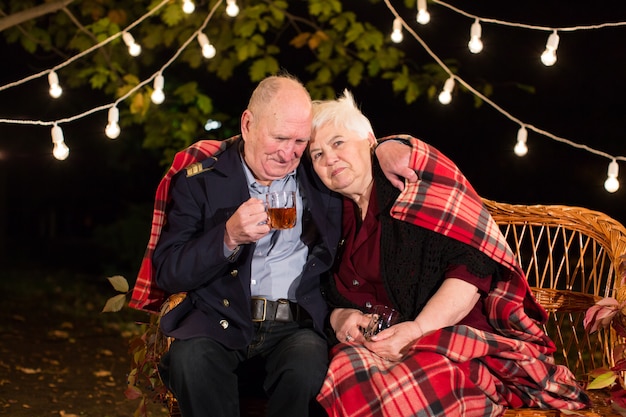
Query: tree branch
(32,13)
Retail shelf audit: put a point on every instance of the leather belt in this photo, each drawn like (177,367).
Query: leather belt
(281,310)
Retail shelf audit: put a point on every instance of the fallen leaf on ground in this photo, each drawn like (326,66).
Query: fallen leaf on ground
(62,413)
(28,371)
(59,334)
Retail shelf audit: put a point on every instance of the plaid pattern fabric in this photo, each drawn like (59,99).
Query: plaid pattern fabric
(444,201)
(146,295)
(457,370)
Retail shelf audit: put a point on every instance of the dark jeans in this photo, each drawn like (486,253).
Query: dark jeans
(202,373)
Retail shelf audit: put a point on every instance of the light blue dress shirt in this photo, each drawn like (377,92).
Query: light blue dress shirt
(280,255)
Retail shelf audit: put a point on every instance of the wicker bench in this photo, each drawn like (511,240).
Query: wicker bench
(572,257)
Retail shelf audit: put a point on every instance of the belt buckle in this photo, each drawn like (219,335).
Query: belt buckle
(264,309)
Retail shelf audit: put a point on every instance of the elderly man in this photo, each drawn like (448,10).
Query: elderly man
(252,291)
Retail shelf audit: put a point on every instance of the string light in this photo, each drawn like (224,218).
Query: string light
(231,8)
(445,97)
(208,50)
(60,149)
(112,129)
(520,148)
(55,88)
(612,184)
(134,49)
(486,99)
(475,43)
(188,6)
(423,17)
(158,96)
(548,57)
(396,34)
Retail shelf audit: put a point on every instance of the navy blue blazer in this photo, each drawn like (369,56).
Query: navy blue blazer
(189,255)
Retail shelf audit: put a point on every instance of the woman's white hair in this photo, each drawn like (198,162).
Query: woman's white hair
(343,113)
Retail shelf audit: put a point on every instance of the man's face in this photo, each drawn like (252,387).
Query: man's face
(277,135)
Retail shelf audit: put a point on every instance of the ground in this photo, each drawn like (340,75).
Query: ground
(59,355)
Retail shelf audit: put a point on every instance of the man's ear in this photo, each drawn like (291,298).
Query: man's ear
(246,120)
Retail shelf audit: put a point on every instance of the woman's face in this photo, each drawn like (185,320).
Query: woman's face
(342,159)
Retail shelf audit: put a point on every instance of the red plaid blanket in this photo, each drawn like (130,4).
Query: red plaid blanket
(457,370)
(146,295)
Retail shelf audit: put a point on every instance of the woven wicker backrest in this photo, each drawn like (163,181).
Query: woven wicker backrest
(572,257)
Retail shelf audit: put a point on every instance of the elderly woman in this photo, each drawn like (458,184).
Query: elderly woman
(469,342)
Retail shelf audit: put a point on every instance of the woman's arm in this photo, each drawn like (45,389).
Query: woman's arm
(449,305)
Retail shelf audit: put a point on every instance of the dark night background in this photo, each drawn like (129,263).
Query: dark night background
(92,211)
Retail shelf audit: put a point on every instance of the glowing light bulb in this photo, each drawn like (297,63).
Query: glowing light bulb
(208,50)
(55,88)
(445,97)
(232,9)
(423,17)
(475,43)
(396,35)
(112,129)
(212,125)
(157,95)
(612,184)
(134,49)
(188,6)
(60,149)
(548,57)
(520,148)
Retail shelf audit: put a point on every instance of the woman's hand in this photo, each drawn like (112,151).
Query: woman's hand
(348,324)
(393,342)
(449,305)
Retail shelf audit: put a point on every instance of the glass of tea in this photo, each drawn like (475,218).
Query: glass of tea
(382,318)
(281,209)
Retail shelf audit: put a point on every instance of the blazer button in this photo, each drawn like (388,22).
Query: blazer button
(224,324)
(226,302)
(234,273)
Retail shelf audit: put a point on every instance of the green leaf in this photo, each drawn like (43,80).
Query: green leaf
(172,14)
(28,44)
(187,92)
(354,33)
(605,380)
(355,73)
(246,28)
(278,11)
(119,283)
(413,91)
(205,104)
(114,304)
(324,8)
(262,67)
(98,80)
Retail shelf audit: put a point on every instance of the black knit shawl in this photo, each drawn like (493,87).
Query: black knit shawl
(413,259)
